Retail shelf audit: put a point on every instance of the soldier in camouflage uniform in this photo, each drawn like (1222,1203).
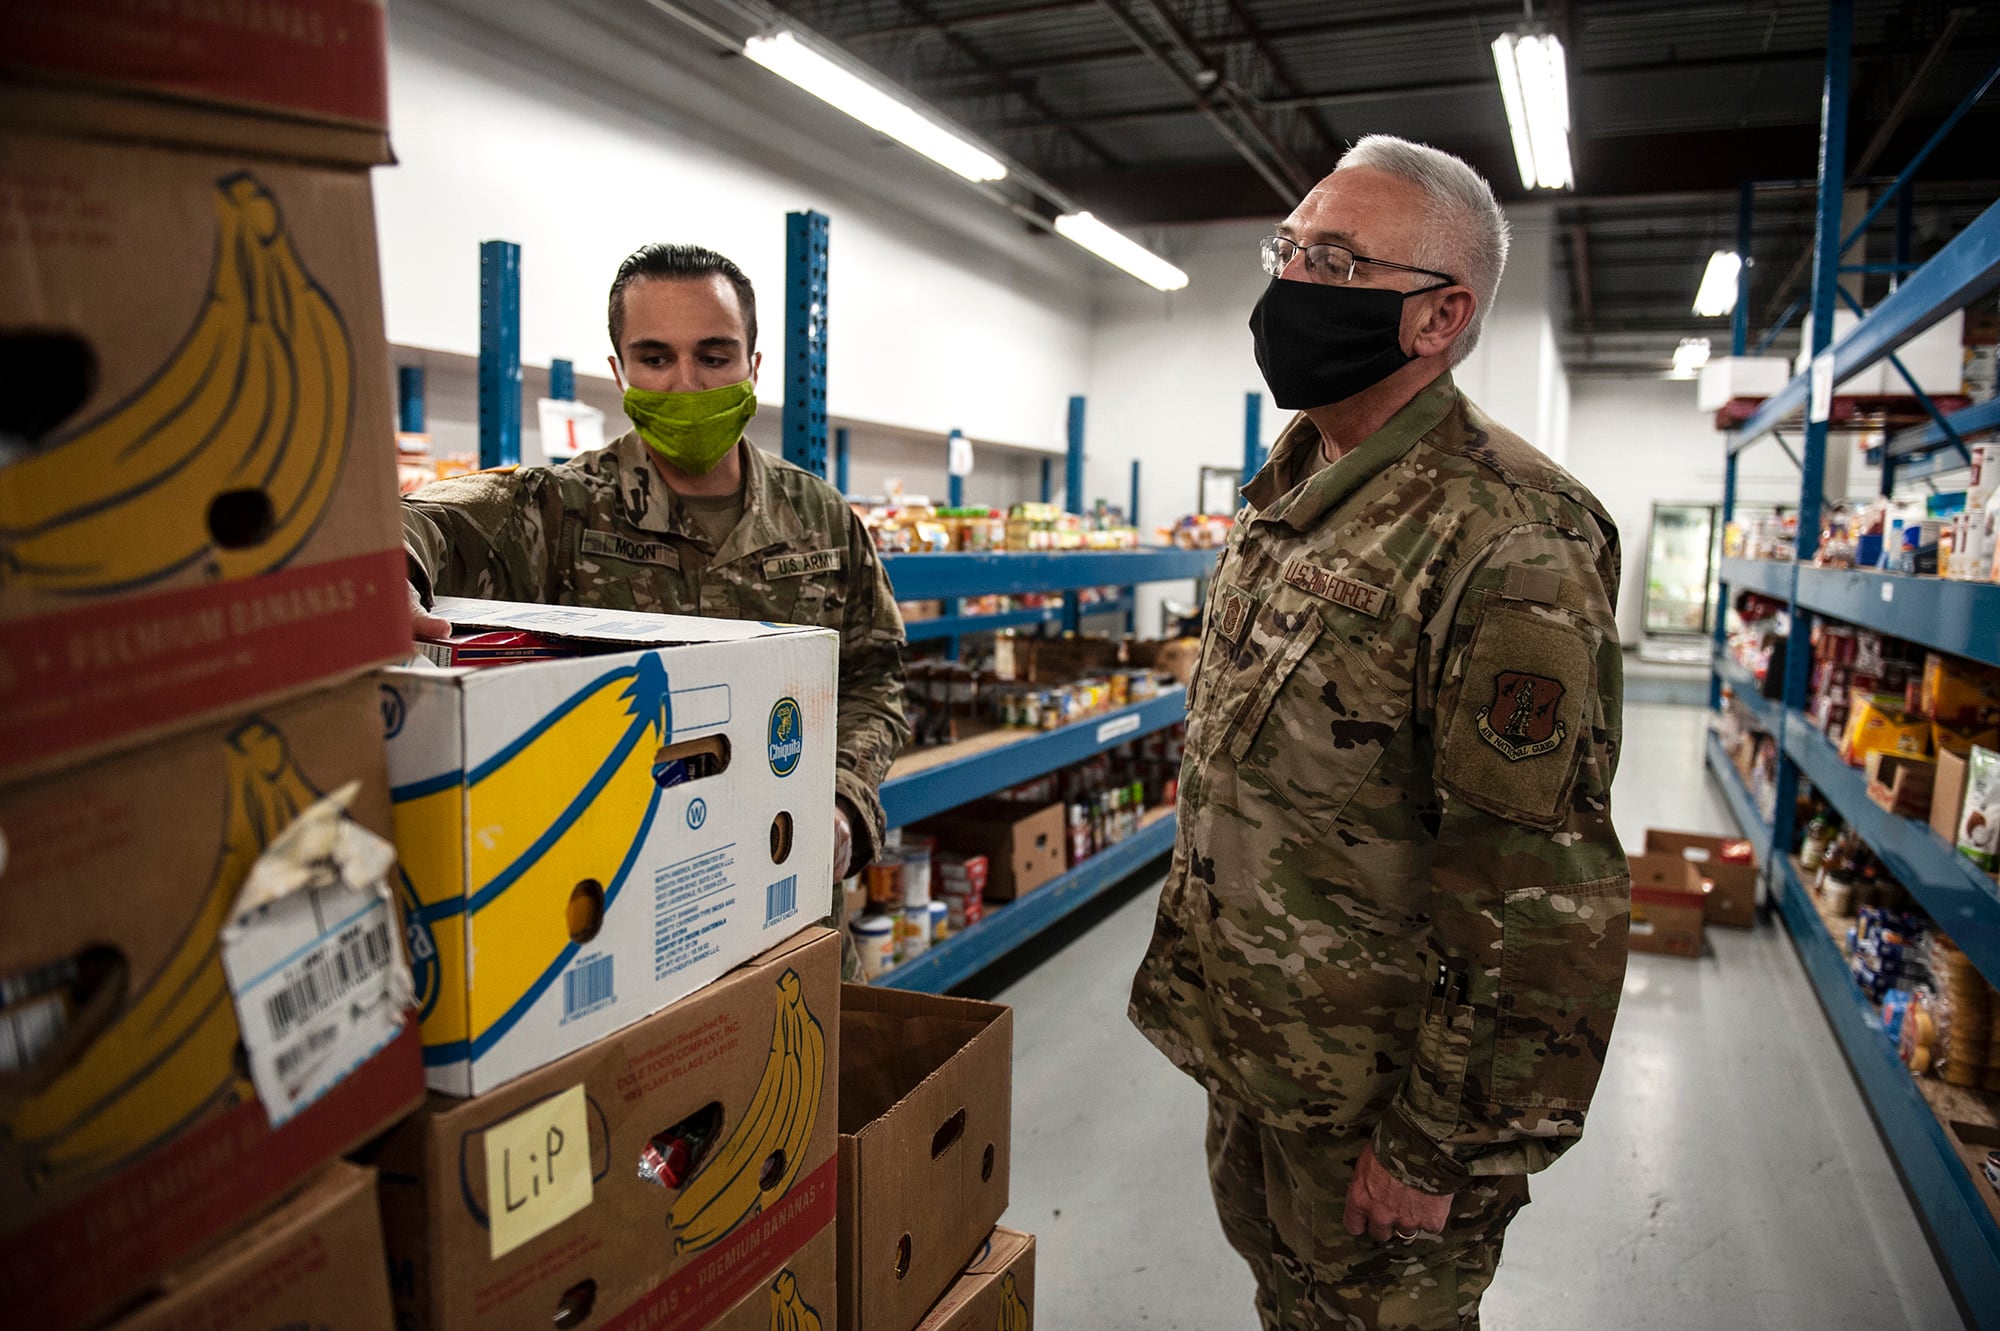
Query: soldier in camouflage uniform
(1392,940)
(626,527)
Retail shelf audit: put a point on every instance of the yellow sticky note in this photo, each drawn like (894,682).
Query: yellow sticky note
(537,1169)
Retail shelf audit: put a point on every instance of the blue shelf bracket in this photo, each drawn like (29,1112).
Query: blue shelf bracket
(562,381)
(499,353)
(410,399)
(805,341)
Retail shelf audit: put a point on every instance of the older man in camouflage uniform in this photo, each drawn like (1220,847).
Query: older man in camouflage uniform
(1393,937)
(626,527)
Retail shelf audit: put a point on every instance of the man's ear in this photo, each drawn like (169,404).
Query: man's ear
(617,372)
(756,364)
(1443,320)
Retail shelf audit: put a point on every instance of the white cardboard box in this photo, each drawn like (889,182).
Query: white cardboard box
(555,888)
(1935,356)
(1726,377)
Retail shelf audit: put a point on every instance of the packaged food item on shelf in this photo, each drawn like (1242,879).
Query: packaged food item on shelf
(1979,825)
(875,940)
(913,932)
(1918,1042)
(1877,723)
(1960,694)
(917,852)
(962,884)
(940,921)
(1965,1003)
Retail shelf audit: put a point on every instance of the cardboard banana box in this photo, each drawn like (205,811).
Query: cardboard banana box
(130,1134)
(313,1261)
(995,1292)
(605,834)
(798,1298)
(653,1180)
(197,503)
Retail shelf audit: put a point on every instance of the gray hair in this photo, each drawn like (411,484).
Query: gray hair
(1466,234)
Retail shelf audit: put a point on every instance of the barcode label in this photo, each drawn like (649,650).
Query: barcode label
(327,975)
(781,900)
(587,987)
(289,1060)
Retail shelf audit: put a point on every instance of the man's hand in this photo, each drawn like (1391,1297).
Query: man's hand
(843,843)
(1387,1209)
(423,623)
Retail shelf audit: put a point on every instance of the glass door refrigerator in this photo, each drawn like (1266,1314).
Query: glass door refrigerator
(1682,551)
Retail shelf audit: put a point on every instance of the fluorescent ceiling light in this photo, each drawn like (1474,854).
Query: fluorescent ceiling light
(1690,356)
(1717,295)
(1534,85)
(786,56)
(1120,251)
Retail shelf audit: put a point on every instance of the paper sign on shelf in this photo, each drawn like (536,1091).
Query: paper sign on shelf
(537,1169)
(569,427)
(958,455)
(313,957)
(1822,387)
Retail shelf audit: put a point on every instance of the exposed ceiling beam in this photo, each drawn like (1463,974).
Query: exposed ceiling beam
(1586,304)
(989,18)
(1282,72)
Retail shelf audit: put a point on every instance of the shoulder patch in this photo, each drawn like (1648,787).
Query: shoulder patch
(805,564)
(1512,739)
(1235,609)
(1524,706)
(1335,587)
(629,550)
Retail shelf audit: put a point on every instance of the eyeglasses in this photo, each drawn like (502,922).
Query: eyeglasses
(1330,263)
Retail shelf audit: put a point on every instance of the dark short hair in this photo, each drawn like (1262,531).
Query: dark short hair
(679,263)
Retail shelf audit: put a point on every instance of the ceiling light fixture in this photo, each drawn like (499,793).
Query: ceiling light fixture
(1690,356)
(1717,294)
(1121,251)
(1534,85)
(786,56)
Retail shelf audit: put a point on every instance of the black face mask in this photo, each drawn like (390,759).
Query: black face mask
(1318,344)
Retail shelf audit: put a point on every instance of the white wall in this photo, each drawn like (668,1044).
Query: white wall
(583,131)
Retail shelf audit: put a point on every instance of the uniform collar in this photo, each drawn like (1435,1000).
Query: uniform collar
(1303,505)
(650,505)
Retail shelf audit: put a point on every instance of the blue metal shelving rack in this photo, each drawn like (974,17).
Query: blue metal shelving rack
(1959,618)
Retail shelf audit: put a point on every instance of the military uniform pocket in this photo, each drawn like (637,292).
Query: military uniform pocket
(1436,1085)
(1561,970)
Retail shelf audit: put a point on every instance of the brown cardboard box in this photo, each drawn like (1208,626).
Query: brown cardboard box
(1732,900)
(210,519)
(1029,660)
(315,1261)
(800,1297)
(1023,843)
(1901,784)
(1948,795)
(926,1112)
(463,1179)
(1667,905)
(133,1140)
(996,1291)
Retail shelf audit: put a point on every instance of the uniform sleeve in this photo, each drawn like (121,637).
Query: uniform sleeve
(872,727)
(489,535)
(1530,897)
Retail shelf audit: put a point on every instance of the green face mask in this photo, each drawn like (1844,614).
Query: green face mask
(694,431)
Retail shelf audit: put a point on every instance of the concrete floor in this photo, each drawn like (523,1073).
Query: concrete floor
(1730,1176)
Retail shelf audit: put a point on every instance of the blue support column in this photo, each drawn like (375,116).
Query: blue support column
(1132,593)
(954,484)
(562,381)
(1073,494)
(840,459)
(1253,435)
(499,353)
(1048,479)
(1739,324)
(805,341)
(410,399)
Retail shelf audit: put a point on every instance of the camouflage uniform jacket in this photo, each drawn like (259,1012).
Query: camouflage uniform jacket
(604,530)
(1397,904)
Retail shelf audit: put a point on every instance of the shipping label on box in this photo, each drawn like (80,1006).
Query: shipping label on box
(585,841)
(995,1292)
(315,1261)
(649,1182)
(130,1134)
(206,517)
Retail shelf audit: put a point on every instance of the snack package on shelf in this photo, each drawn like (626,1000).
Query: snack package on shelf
(1965,1003)
(1979,823)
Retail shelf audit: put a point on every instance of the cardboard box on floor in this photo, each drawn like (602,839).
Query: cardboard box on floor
(800,1297)
(926,1114)
(995,1292)
(314,1261)
(208,521)
(527,1204)
(536,837)
(1667,905)
(1733,898)
(131,1139)
(1024,844)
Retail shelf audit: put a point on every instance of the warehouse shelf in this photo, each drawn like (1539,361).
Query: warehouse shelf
(1931,440)
(925,782)
(1951,889)
(1007,926)
(1756,829)
(954,626)
(1011,573)
(1944,1190)
(1962,618)
(1768,577)
(1749,691)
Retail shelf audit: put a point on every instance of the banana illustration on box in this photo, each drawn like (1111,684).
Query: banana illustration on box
(170,1055)
(776,1127)
(1013,1312)
(789,1312)
(256,398)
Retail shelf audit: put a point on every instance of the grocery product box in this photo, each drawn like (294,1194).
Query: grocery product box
(309,78)
(206,518)
(1901,784)
(1727,865)
(1959,694)
(603,834)
(314,1261)
(995,1292)
(1948,794)
(654,1179)
(926,1113)
(1023,843)
(1667,905)
(1979,824)
(1727,377)
(130,1134)
(800,1297)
